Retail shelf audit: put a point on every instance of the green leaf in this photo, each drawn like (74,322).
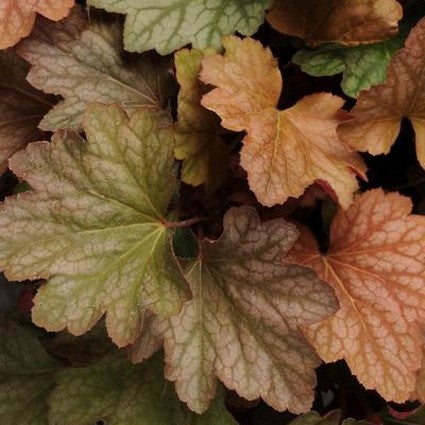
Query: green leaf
(205,155)
(166,25)
(362,66)
(242,325)
(94,224)
(313,418)
(83,63)
(119,393)
(26,378)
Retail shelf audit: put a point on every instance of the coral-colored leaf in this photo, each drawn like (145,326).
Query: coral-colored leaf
(17,17)
(242,325)
(205,155)
(83,63)
(93,224)
(378,112)
(284,151)
(342,21)
(376,264)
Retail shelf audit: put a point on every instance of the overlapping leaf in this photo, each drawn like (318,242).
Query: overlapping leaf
(342,21)
(167,25)
(378,112)
(198,144)
(332,418)
(21,106)
(284,151)
(94,223)
(17,17)
(241,326)
(376,264)
(83,63)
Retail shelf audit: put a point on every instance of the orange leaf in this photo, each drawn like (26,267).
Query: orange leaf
(284,151)
(343,21)
(376,264)
(378,113)
(17,17)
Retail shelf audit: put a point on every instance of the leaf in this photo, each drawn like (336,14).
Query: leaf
(340,21)
(17,17)
(313,418)
(114,391)
(420,383)
(376,264)
(167,25)
(242,325)
(379,111)
(21,106)
(26,378)
(284,151)
(94,224)
(361,66)
(83,63)
(204,153)
(417,417)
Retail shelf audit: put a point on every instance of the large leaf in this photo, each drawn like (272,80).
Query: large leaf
(21,106)
(341,21)
(378,112)
(17,17)
(284,151)
(94,223)
(376,264)
(242,325)
(166,25)
(119,393)
(83,63)
(205,155)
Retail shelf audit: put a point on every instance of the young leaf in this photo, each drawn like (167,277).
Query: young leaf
(376,264)
(94,224)
(83,63)
(379,111)
(119,393)
(284,151)
(167,25)
(242,325)
(21,106)
(341,21)
(361,66)
(204,153)
(17,17)
(26,378)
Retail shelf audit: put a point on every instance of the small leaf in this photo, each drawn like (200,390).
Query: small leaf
(379,111)
(242,325)
(93,224)
(170,24)
(198,144)
(339,21)
(83,63)
(376,264)
(284,151)
(313,418)
(17,17)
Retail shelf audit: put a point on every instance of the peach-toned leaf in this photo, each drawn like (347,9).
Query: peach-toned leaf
(284,151)
(343,21)
(242,325)
(376,264)
(420,383)
(17,17)
(378,112)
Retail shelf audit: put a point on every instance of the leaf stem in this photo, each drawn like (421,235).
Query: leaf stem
(184,223)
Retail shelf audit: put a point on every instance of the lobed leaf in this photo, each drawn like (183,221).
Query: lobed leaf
(93,224)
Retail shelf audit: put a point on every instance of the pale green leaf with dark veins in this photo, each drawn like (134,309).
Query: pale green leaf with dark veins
(242,325)
(26,378)
(83,63)
(119,393)
(361,66)
(93,224)
(166,25)
(204,154)
(21,106)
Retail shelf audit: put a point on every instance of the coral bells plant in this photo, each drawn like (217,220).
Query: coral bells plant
(213,212)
